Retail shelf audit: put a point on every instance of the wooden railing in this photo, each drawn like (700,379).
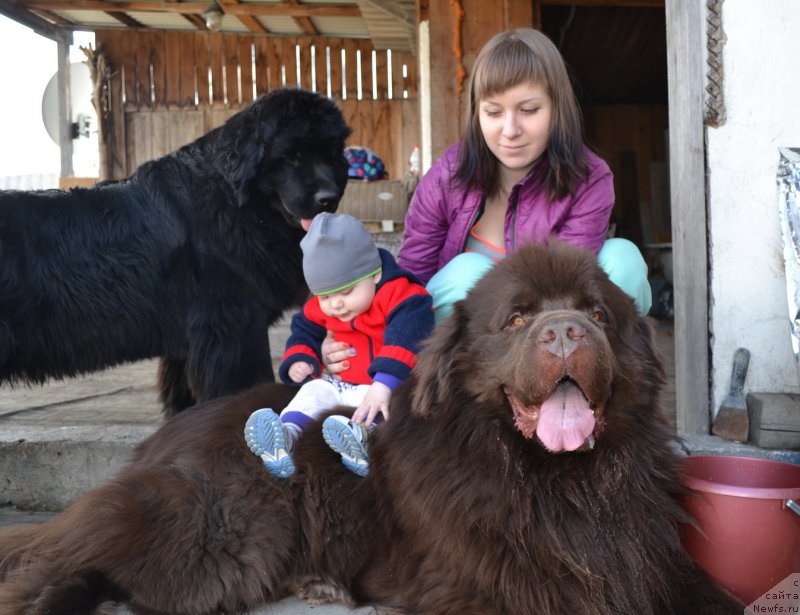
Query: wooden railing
(168,88)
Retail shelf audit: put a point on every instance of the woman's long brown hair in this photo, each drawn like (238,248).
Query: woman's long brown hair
(506,60)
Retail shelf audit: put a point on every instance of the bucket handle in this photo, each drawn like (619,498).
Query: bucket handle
(793,506)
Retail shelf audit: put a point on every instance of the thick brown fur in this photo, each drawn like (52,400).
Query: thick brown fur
(464,510)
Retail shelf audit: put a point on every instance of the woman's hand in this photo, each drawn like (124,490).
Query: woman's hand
(335,355)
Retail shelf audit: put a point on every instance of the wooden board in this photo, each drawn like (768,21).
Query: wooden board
(173,61)
(188,78)
(689,225)
(158,61)
(216,59)
(246,67)
(774,419)
(230,46)
(201,61)
(379,202)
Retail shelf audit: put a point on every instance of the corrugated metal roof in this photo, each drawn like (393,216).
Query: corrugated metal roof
(89,18)
(391,24)
(385,31)
(342,27)
(160,21)
(275,25)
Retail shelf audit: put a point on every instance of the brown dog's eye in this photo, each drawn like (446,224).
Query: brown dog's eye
(598,315)
(516,320)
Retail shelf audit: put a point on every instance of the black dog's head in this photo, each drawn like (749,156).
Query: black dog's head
(286,151)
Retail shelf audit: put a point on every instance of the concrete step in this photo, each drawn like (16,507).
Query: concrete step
(65,437)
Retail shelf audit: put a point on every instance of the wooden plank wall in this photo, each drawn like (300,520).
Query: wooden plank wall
(168,88)
(632,139)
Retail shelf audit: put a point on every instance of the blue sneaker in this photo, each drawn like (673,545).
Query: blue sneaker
(266,437)
(350,440)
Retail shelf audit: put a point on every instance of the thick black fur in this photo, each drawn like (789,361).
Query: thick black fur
(190,259)
(464,511)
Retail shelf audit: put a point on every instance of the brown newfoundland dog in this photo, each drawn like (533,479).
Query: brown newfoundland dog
(526,468)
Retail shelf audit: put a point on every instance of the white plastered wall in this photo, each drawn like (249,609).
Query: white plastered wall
(748,305)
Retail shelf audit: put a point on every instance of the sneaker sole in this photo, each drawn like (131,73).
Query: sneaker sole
(339,437)
(264,435)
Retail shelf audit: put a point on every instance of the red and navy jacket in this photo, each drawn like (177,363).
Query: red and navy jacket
(386,337)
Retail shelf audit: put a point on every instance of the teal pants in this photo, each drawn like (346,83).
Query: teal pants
(619,258)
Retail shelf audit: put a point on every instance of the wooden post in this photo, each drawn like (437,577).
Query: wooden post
(450,30)
(689,225)
(64,104)
(99,71)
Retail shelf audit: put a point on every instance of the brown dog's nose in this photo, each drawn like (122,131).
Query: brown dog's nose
(562,337)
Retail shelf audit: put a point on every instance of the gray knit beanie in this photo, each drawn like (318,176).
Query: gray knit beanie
(338,252)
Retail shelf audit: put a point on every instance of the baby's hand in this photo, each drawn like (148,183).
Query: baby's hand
(376,401)
(300,370)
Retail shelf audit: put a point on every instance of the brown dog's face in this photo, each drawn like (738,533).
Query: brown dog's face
(546,338)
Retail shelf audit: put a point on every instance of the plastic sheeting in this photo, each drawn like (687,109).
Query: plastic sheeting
(789,211)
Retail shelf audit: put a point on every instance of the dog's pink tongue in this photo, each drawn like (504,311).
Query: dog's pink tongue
(565,419)
(305,223)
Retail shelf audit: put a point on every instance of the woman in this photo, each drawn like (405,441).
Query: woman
(521,173)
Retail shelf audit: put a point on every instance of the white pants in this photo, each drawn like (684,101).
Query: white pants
(317,396)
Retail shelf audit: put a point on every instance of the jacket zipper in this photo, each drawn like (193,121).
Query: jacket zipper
(475,219)
(514,220)
(369,341)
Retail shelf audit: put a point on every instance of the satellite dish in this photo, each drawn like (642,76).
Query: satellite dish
(84,116)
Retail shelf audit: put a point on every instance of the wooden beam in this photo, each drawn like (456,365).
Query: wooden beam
(689,222)
(297,10)
(517,14)
(57,20)
(642,4)
(196,20)
(115,7)
(252,24)
(127,20)
(249,22)
(536,18)
(443,99)
(305,23)
(283,10)
(34,22)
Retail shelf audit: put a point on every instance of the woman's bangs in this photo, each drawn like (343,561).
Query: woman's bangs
(506,66)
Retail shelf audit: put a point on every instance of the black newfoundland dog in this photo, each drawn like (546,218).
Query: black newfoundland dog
(190,259)
(526,468)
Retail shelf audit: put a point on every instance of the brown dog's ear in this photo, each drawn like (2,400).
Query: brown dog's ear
(436,364)
(644,344)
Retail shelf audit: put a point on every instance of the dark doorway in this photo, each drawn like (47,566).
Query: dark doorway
(617,57)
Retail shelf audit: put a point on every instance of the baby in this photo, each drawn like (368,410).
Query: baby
(366,300)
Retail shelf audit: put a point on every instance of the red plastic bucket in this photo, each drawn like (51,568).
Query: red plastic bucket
(750,538)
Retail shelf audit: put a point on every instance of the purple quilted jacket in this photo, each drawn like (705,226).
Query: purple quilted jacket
(440,216)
